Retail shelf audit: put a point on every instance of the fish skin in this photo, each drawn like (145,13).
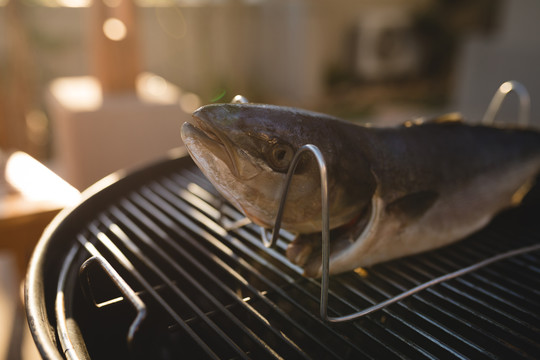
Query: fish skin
(426,184)
(236,126)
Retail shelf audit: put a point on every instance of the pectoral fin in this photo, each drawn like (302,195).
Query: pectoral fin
(412,206)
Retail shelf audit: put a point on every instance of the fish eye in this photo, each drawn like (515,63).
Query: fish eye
(280,156)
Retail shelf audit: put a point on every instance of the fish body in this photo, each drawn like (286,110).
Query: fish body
(392,191)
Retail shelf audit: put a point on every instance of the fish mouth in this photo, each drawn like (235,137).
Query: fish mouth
(214,141)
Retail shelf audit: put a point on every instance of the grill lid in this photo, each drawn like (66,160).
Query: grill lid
(166,275)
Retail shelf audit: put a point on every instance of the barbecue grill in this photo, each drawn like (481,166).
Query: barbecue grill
(144,268)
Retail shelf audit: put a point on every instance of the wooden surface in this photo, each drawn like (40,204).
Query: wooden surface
(31,195)
(21,227)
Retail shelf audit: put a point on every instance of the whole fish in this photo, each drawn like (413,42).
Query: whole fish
(393,191)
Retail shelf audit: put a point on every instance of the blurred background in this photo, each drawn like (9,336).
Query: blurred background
(68,67)
(91,86)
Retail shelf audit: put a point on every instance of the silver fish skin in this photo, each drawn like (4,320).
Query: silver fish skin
(392,191)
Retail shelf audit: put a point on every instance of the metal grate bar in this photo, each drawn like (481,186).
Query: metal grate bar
(522,299)
(503,305)
(141,279)
(338,300)
(429,302)
(435,306)
(175,186)
(302,292)
(241,249)
(455,301)
(497,315)
(121,256)
(231,295)
(442,298)
(257,242)
(446,337)
(517,290)
(238,299)
(123,237)
(527,262)
(401,319)
(162,216)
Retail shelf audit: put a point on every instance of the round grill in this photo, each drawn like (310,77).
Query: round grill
(144,268)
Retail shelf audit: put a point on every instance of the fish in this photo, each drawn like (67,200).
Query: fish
(392,191)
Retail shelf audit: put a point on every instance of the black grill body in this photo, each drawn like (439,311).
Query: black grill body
(209,293)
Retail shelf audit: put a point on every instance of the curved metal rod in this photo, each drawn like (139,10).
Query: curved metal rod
(120,283)
(63,311)
(239,99)
(325,277)
(324,194)
(500,95)
(436,281)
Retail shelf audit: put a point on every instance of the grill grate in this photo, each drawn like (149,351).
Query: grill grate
(222,294)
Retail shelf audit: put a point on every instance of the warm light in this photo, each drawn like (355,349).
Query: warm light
(37,126)
(155,89)
(114,29)
(78,93)
(112,3)
(189,102)
(155,84)
(36,182)
(73,3)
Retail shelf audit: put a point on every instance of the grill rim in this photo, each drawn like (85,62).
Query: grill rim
(39,297)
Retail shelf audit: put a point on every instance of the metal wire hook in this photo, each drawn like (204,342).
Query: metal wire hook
(376,208)
(493,109)
(435,281)
(500,95)
(325,279)
(239,99)
(118,281)
(324,194)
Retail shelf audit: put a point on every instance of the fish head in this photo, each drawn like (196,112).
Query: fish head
(245,151)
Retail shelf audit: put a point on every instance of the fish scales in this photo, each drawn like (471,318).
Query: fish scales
(392,191)
(445,155)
